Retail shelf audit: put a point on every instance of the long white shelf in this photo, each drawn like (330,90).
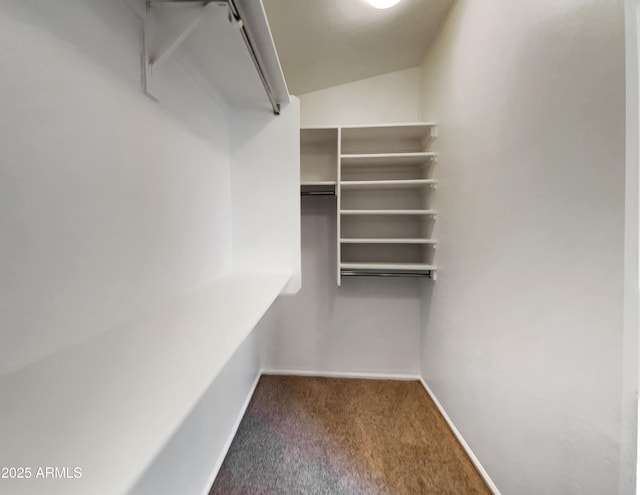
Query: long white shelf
(108,405)
(386,184)
(398,125)
(387,158)
(386,266)
(387,212)
(379,240)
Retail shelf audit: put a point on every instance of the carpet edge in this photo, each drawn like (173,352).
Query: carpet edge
(463,443)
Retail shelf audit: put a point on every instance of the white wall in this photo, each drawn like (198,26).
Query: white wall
(523,339)
(367,325)
(629,425)
(265,185)
(389,98)
(110,204)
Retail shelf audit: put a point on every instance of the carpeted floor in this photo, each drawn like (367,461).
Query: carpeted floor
(303,435)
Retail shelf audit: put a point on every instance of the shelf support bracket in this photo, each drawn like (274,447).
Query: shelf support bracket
(186,32)
(145,70)
(150,63)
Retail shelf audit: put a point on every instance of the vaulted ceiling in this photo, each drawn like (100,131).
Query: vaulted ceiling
(322,43)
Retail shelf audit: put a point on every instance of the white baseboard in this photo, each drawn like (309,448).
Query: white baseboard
(343,374)
(461,440)
(232,434)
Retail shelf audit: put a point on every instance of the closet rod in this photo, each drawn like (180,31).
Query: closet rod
(383,273)
(233,11)
(235,18)
(317,193)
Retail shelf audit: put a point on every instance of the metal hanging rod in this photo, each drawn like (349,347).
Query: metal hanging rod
(234,17)
(390,274)
(317,193)
(233,11)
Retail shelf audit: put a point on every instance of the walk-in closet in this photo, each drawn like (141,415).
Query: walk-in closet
(346,247)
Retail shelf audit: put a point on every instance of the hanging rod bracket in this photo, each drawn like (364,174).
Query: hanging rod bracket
(151,63)
(170,49)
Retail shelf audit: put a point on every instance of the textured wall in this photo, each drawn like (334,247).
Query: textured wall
(393,97)
(523,340)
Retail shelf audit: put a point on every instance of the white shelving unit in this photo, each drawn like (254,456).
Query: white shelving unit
(385,191)
(166,361)
(382,176)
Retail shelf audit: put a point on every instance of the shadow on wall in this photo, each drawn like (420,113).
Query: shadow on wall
(425,315)
(368,324)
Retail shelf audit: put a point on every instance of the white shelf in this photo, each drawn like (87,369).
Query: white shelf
(319,183)
(387,241)
(411,131)
(398,125)
(319,128)
(387,212)
(386,266)
(376,159)
(111,403)
(387,184)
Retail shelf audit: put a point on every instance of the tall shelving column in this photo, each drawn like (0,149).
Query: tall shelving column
(338,202)
(385,200)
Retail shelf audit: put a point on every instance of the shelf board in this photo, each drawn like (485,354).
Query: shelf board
(384,184)
(387,212)
(386,266)
(409,131)
(399,125)
(319,183)
(319,128)
(387,241)
(127,390)
(377,159)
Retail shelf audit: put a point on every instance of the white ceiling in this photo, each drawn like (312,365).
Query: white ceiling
(322,43)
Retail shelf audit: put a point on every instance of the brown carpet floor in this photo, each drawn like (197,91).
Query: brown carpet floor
(305,435)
